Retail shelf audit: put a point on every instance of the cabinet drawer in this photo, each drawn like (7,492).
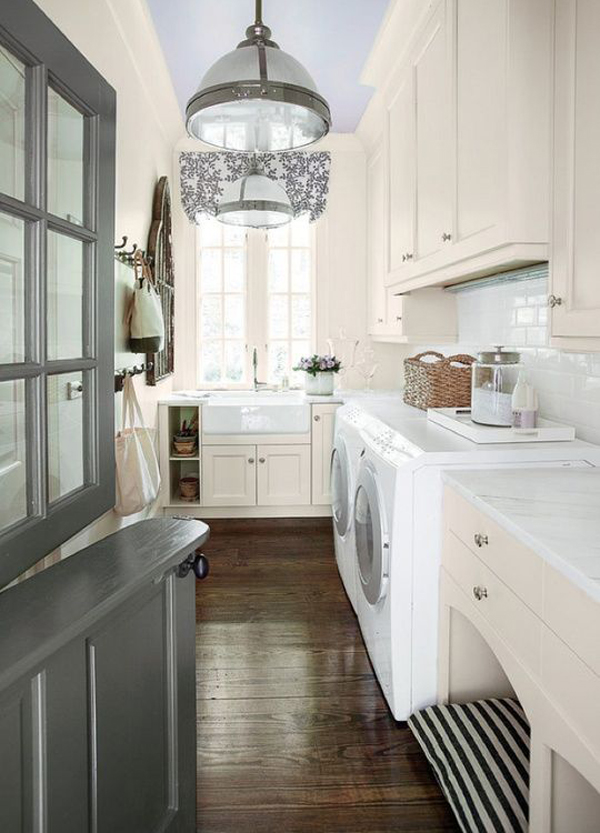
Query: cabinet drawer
(506,613)
(510,560)
(571,614)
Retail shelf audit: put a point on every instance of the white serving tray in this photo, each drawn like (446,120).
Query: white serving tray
(459,420)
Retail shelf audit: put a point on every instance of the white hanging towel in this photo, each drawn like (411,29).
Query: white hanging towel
(137,471)
(146,322)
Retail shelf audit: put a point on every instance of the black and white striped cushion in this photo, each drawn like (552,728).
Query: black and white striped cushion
(480,754)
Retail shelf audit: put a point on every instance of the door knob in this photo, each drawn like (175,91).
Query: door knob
(196,562)
(554,301)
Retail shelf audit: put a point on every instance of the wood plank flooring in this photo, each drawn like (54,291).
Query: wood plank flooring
(293,732)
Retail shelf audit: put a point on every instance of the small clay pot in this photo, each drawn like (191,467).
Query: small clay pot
(184,445)
(189,487)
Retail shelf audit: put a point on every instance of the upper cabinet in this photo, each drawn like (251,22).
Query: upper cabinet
(575,284)
(465,114)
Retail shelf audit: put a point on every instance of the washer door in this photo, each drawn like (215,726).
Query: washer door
(340,490)
(372,545)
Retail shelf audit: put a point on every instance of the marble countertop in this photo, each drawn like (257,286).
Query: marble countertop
(338,397)
(553,511)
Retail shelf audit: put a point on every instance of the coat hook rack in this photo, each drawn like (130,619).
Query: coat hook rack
(123,255)
(136,370)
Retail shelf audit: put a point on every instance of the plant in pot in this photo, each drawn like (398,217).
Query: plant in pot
(320,374)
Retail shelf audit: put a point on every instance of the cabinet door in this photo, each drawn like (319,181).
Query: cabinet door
(432,130)
(480,78)
(322,446)
(283,475)
(229,475)
(574,263)
(401,145)
(376,242)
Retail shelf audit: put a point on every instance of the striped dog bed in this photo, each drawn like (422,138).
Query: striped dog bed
(480,755)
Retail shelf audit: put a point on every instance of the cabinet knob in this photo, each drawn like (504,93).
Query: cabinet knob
(446,236)
(480,539)
(480,592)
(317,418)
(380,320)
(554,301)
(398,318)
(250,460)
(261,460)
(409,256)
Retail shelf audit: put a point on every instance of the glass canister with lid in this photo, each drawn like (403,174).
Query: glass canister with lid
(495,374)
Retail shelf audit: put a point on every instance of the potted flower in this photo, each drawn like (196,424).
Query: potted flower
(320,372)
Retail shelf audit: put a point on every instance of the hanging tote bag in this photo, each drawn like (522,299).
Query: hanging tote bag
(137,471)
(146,322)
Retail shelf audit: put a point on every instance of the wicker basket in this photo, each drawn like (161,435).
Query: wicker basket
(443,383)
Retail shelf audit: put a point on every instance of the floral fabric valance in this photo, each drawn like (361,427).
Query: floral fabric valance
(303,175)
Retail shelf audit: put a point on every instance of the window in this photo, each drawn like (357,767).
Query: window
(256,290)
(56,290)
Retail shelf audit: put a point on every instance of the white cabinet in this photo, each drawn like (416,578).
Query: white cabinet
(424,316)
(574,277)
(467,142)
(322,446)
(229,475)
(430,72)
(376,265)
(400,151)
(283,475)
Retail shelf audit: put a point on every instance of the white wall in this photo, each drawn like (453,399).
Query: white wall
(516,316)
(118,38)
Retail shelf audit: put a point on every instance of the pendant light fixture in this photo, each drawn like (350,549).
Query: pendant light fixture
(256,201)
(258,98)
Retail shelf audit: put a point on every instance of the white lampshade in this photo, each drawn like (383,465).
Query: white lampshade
(256,201)
(258,98)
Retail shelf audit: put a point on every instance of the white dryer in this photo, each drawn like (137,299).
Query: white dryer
(397,538)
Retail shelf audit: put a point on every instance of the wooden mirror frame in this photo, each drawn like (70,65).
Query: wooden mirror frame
(160,252)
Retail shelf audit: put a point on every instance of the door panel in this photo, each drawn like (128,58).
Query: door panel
(574,269)
(401,145)
(229,475)
(480,81)
(323,426)
(433,178)
(283,475)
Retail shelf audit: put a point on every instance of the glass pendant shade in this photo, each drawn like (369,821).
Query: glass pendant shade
(255,201)
(258,98)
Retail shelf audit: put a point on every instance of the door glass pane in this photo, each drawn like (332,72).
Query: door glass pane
(12,289)
(65,434)
(13,469)
(12,125)
(65,297)
(363,524)
(65,159)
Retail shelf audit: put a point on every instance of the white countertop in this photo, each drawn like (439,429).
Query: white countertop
(554,512)
(339,397)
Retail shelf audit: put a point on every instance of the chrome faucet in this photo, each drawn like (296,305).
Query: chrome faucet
(255,383)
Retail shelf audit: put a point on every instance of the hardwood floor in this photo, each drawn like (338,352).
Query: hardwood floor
(293,732)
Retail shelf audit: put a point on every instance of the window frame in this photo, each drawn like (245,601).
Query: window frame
(51,60)
(257,297)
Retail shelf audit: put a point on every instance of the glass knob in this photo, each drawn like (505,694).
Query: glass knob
(480,592)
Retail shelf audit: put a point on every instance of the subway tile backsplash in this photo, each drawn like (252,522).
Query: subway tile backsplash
(515,315)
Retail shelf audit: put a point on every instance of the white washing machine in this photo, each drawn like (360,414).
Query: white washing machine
(345,458)
(397,537)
